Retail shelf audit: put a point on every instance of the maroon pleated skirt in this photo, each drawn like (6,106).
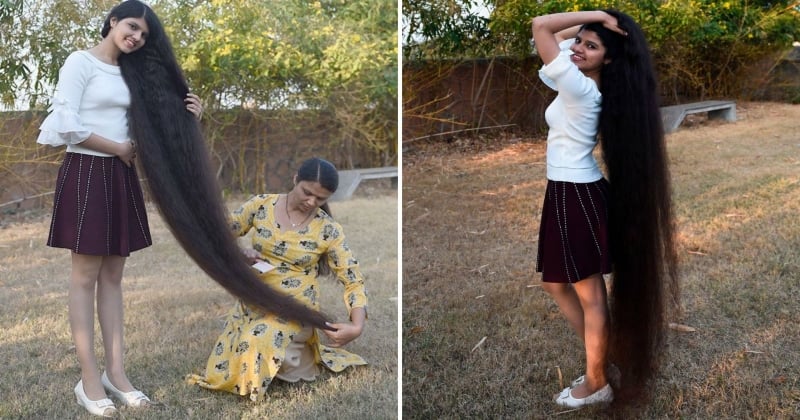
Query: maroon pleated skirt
(98,207)
(573,235)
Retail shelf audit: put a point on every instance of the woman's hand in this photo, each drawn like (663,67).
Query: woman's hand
(252,255)
(194,105)
(612,24)
(127,152)
(347,331)
(545,28)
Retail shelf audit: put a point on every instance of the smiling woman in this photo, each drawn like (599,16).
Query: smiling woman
(599,64)
(130,86)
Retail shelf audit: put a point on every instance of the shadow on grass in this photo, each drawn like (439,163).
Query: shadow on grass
(470,223)
(173,314)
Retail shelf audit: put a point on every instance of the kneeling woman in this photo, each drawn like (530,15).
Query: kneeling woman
(295,234)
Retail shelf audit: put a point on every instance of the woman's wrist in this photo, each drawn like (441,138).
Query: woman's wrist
(120,149)
(358,317)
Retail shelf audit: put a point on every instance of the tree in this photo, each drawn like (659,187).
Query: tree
(438,29)
(701,46)
(333,56)
(36,38)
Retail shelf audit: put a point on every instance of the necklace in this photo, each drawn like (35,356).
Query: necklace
(288,216)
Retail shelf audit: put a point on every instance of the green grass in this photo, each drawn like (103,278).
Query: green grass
(471,210)
(173,314)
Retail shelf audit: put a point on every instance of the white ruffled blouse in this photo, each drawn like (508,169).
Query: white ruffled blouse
(90,97)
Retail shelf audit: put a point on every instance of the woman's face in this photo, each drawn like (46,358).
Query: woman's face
(309,195)
(588,52)
(128,34)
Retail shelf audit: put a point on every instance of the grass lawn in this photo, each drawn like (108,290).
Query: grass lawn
(173,314)
(481,339)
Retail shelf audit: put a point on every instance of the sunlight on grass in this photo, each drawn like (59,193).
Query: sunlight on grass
(470,220)
(173,314)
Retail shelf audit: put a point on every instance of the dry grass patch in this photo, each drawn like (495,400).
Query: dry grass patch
(471,210)
(173,314)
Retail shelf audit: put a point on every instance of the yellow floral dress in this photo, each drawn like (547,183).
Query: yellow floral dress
(252,349)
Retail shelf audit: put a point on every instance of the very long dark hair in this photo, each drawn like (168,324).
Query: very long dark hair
(640,213)
(175,158)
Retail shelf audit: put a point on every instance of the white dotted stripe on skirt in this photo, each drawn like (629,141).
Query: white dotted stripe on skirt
(108,207)
(85,201)
(131,179)
(585,213)
(59,191)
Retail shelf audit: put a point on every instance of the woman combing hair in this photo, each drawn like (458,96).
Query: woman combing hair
(297,241)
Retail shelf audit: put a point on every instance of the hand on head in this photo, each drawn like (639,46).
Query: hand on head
(612,23)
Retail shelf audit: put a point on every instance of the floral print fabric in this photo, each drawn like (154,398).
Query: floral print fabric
(252,346)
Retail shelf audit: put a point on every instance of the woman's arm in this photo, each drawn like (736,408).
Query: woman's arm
(252,255)
(347,331)
(124,150)
(568,33)
(344,264)
(548,29)
(242,219)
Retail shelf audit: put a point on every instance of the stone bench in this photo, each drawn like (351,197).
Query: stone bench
(349,180)
(673,116)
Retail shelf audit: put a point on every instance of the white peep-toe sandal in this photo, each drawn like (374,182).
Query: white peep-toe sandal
(134,398)
(102,407)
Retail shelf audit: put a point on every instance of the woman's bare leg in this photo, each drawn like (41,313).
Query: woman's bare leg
(82,282)
(569,304)
(110,314)
(591,292)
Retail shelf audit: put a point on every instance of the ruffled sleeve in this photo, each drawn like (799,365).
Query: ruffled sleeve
(63,125)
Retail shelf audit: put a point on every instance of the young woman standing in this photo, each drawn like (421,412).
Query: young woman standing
(599,64)
(99,212)
(128,87)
